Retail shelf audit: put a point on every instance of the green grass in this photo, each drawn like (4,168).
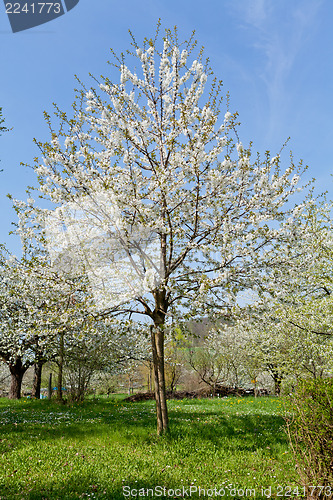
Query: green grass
(93,449)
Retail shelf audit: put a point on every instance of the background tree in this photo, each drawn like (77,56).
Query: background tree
(158,148)
(287,352)
(34,308)
(232,344)
(289,324)
(100,347)
(175,359)
(15,342)
(210,361)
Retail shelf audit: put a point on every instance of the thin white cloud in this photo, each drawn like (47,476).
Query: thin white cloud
(255,12)
(278,31)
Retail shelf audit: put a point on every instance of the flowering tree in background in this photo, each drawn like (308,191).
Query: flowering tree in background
(21,340)
(36,309)
(288,322)
(155,154)
(287,352)
(46,315)
(210,363)
(99,347)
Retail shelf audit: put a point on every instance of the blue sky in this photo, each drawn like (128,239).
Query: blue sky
(275,58)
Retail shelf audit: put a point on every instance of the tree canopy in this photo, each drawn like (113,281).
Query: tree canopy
(155,195)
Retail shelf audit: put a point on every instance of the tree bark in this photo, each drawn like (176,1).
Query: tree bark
(157,385)
(161,377)
(49,389)
(60,365)
(150,377)
(277,377)
(38,367)
(277,384)
(157,341)
(130,389)
(17,370)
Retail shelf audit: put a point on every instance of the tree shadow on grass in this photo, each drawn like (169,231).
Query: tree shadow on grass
(137,422)
(85,487)
(247,432)
(133,424)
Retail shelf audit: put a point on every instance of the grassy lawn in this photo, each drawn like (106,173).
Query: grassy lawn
(94,449)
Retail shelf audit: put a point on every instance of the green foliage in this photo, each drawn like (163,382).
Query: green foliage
(94,448)
(311,432)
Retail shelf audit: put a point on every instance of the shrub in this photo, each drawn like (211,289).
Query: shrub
(310,431)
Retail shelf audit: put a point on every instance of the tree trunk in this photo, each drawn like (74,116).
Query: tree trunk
(277,378)
(157,392)
(17,371)
(61,364)
(161,378)
(157,343)
(38,367)
(49,390)
(157,340)
(173,385)
(277,384)
(151,376)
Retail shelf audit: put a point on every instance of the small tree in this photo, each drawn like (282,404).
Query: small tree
(310,431)
(233,346)
(174,363)
(155,155)
(99,347)
(210,363)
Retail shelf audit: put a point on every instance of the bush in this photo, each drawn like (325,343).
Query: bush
(310,431)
